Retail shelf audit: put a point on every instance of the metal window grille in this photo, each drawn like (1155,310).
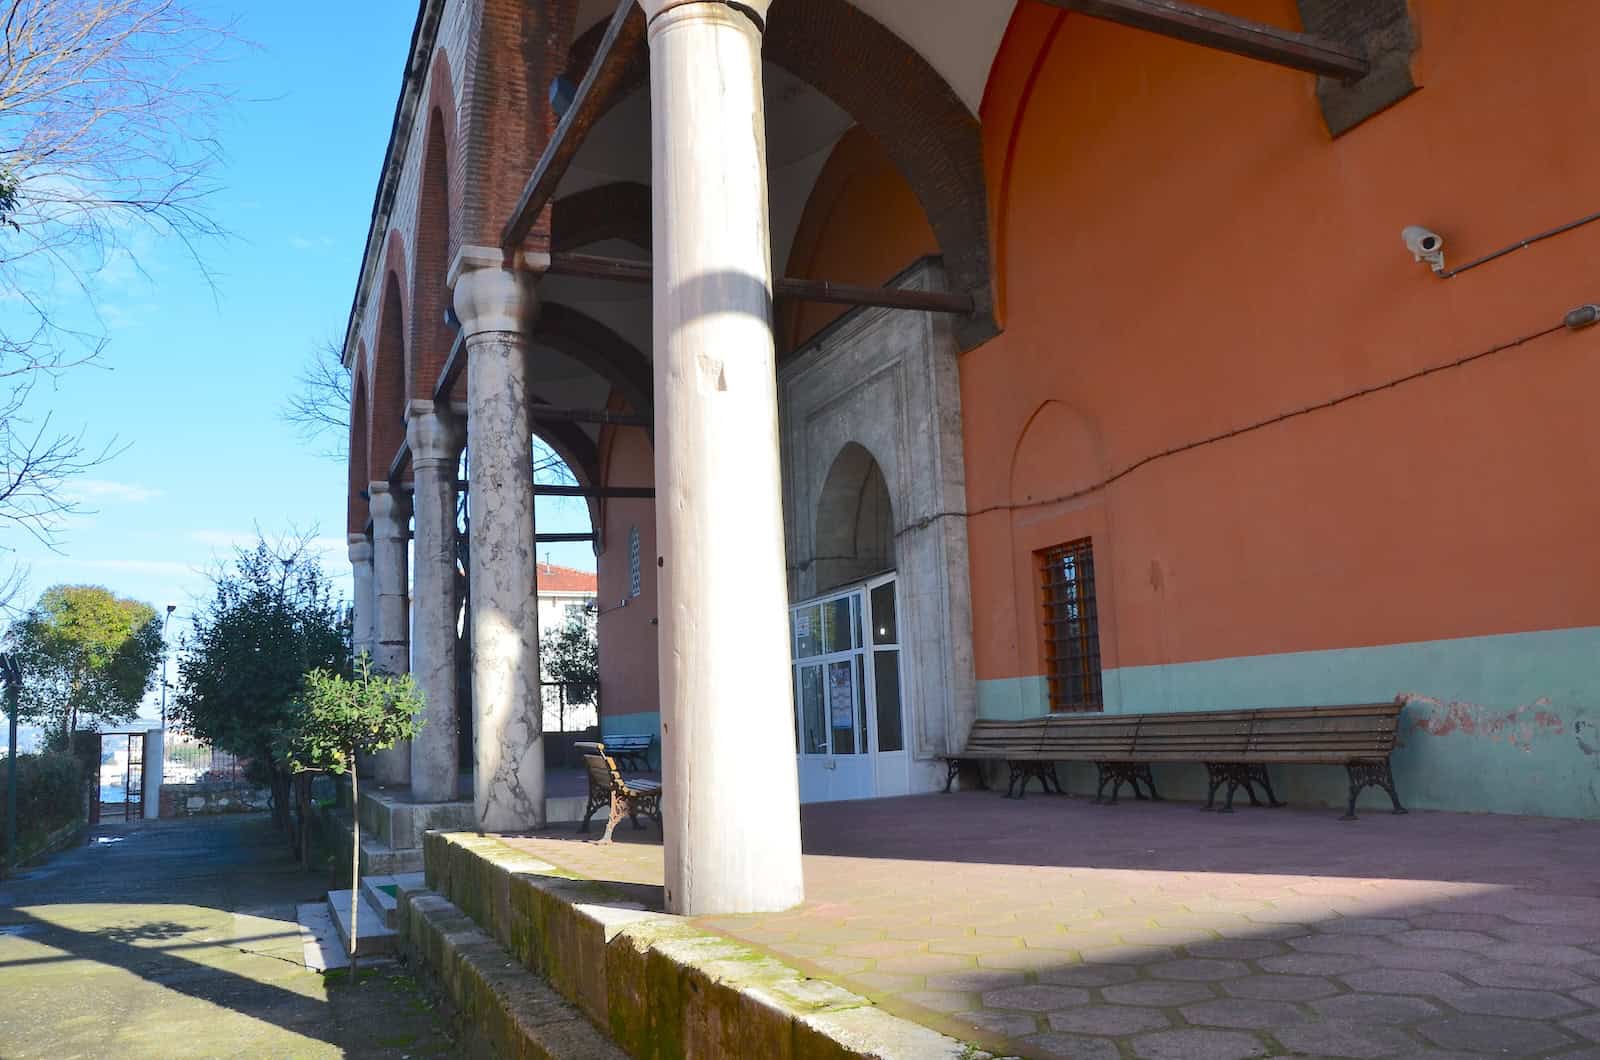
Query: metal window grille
(1071,628)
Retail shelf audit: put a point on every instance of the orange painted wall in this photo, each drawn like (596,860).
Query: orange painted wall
(1182,251)
(862,225)
(628,679)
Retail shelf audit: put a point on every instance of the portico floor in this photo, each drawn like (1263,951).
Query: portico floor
(1054,927)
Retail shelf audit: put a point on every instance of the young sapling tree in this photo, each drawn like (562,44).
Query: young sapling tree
(345,717)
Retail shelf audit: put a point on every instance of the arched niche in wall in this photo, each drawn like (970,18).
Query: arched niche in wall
(855,521)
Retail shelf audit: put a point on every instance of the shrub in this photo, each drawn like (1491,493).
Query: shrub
(49,795)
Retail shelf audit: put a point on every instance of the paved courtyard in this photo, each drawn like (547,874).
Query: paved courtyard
(167,939)
(1054,927)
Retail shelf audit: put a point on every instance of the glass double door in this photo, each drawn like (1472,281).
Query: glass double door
(849,729)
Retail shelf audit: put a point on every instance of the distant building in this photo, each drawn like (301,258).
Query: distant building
(562,591)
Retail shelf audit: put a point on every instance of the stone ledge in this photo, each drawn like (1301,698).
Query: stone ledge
(504,1010)
(658,985)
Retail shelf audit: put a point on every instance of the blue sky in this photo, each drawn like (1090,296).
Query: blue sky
(194,380)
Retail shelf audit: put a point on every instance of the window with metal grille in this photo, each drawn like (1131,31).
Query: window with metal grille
(1071,627)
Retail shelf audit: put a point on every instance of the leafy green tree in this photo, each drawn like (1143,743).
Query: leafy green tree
(345,717)
(272,620)
(572,655)
(85,653)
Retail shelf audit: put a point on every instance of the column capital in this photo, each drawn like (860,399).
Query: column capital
(758,8)
(435,432)
(391,511)
(360,548)
(495,290)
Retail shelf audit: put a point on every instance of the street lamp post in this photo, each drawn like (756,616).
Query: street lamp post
(164,623)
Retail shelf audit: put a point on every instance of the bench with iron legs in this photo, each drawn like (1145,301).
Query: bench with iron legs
(633,752)
(1235,746)
(623,796)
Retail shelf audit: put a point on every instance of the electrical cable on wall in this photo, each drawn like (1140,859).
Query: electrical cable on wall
(1578,318)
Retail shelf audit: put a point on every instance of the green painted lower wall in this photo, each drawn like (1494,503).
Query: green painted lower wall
(645,722)
(1501,724)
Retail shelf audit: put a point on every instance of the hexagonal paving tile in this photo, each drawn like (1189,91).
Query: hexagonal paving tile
(1531,953)
(1073,1046)
(1588,1026)
(996,1021)
(975,980)
(1444,940)
(1194,1043)
(1236,949)
(941,1000)
(973,945)
(1375,1008)
(1483,922)
(1087,974)
(1125,954)
(1344,1038)
(1349,945)
(1423,959)
(1244,1013)
(1281,987)
(1028,960)
(1403,981)
(1525,976)
(1493,1034)
(1036,998)
(1361,925)
(1524,1004)
(1300,963)
(1158,994)
(1108,1020)
(1199,969)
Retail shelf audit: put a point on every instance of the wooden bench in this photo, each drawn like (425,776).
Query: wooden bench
(625,796)
(1235,746)
(631,751)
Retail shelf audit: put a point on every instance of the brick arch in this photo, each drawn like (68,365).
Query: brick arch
(388,396)
(356,512)
(430,337)
(908,107)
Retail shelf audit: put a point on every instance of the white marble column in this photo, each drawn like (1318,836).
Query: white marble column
(435,434)
(497,305)
(362,607)
(728,757)
(391,526)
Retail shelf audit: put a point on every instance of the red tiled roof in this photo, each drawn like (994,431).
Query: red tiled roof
(556,579)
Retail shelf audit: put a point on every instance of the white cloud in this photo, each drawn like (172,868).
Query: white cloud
(93,489)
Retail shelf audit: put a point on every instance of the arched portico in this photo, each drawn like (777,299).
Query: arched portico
(854,521)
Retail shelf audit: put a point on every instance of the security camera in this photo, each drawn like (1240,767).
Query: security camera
(1425,245)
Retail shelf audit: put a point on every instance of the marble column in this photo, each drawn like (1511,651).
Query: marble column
(391,524)
(728,757)
(362,607)
(435,434)
(496,302)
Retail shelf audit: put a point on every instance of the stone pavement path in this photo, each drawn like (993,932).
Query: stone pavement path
(178,939)
(1056,928)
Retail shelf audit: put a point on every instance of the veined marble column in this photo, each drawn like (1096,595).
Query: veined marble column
(497,304)
(391,523)
(361,618)
(727,732)
(435,435)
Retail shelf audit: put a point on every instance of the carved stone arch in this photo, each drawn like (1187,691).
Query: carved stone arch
(906,105)
(854,536)
(613,358)
(607,211)
(357,512)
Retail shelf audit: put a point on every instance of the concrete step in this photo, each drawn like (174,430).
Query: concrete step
(319,939)
(383,892)
(374,937)
(506,1010)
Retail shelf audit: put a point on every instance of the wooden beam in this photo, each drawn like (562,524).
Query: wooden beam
(540,489)
(604,416)
(625,37)
(563,539)
(454,365)
(1240,36)
(625,270)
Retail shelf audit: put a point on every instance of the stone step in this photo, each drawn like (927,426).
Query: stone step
(383,892)
(319,939)
(373,936)
(505,1009)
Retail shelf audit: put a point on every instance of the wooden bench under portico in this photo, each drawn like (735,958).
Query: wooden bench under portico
(625,796)
(1235,746)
